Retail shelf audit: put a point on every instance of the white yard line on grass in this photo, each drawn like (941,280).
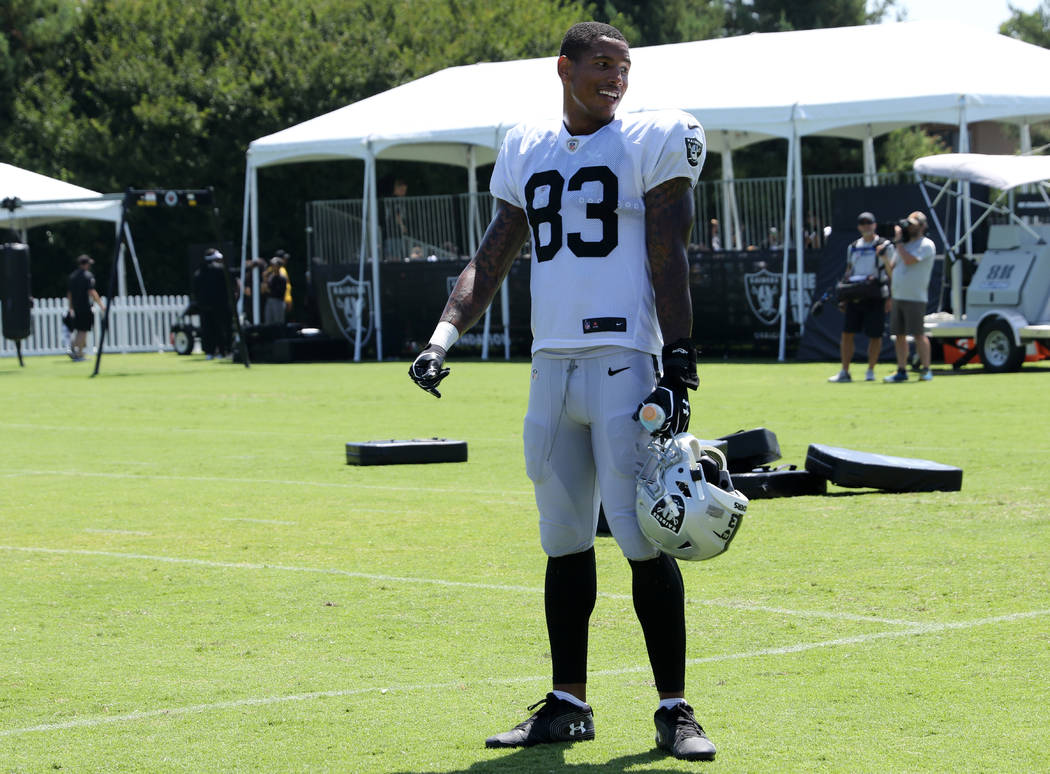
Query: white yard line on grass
(734,604)
(98,720)
(502,495)
(261,521)
(134,429)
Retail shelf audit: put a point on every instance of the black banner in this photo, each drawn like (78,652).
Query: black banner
(736,304)
(736,300)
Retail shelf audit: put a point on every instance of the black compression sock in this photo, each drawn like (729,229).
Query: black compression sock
(570,589)
(659,601)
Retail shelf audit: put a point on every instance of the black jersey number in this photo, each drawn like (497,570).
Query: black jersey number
(550,213)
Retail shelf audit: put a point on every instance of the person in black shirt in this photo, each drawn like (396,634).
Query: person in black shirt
(80,295)
(209,286)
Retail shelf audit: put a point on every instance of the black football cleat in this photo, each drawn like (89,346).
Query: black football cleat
(678,733)
(556,720)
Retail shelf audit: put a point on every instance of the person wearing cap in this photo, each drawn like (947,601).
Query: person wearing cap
(910,292)
(209,286)
(869,255)
(79,297)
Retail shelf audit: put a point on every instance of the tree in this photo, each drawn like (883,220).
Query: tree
(30,32)
(652,22)
(1031,27)
(171,92)
(746,16)
(902,146)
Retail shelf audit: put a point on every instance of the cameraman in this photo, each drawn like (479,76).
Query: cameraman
(869,256)
(911,281)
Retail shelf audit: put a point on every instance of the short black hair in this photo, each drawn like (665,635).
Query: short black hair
(580,37)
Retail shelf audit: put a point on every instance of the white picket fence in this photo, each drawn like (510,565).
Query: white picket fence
(136,324)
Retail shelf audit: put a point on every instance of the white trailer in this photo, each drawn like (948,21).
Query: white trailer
(1006,305)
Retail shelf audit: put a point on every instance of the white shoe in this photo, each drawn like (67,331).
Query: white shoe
(841,376)
(870,375)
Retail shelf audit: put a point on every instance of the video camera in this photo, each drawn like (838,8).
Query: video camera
(889,230)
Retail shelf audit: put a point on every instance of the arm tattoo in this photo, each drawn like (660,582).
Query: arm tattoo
(477,284)
(668,224)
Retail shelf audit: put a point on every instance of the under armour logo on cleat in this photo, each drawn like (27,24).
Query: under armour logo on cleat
(573,730)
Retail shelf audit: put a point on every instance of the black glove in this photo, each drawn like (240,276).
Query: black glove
(679,360)
(426,370)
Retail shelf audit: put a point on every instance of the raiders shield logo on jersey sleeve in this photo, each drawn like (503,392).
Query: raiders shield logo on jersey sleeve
(693,150)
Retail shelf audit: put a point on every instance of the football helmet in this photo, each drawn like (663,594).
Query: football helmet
(686,503)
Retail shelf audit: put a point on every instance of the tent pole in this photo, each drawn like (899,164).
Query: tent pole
(122,269)
(134,258)
(1025,148)
(472,202)
(799,252)
(119,331)
(373,238)
(472,190)
(110,287)
(964,202)
(869,158)
(366,210)
(788,189)
(253,187)
(244,236)
(504,297)
(730,230)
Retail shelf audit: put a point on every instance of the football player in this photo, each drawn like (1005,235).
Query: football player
(608,204)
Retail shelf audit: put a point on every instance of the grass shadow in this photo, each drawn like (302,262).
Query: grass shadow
(528,760)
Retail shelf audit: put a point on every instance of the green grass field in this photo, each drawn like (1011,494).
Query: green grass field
(192,579)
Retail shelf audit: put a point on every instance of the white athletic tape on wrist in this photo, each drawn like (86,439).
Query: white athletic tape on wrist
(445,335)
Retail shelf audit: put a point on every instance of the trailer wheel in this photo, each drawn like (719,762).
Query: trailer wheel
(997,349)
(182,342)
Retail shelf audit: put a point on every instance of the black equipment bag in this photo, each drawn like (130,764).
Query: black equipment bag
(748,449)
(867,288)
(15,293)
(852,468)
(406,452)
(780,482)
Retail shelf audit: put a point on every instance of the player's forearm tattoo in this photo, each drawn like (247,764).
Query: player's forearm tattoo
(668,223)
(477,284)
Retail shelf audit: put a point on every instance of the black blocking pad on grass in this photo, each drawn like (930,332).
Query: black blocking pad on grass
(852,468)
(766,484)
(412,451)
(749,449)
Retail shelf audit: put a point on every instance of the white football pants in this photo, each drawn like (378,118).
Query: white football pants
(582,446)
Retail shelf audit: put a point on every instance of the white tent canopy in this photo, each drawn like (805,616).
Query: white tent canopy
(1002,172)
(854,82)
(32,187)
(44,200)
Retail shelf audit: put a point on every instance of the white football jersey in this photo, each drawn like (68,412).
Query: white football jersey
(584,198)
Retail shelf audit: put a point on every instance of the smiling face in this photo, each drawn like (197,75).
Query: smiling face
(593,84)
